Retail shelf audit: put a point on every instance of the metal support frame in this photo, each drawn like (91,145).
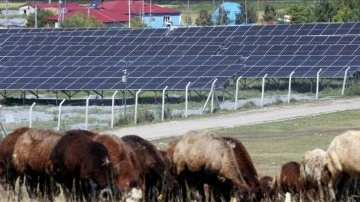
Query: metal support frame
(263,90)
(317,83)
(87,112)
(211,95)
(112,109)
(163,104)
(59,118)
(289,93)
(124,79)
(344,82)
(136,105)
(186,99)
(30,116)
(237,91)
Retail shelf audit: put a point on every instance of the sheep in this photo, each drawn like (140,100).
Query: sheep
(342,162)
(208,159)
(31,157)
(312,164)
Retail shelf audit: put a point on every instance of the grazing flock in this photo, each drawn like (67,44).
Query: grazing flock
(197,166)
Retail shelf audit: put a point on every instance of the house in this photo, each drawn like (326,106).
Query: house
(116,13)
(232,10)
(29,8)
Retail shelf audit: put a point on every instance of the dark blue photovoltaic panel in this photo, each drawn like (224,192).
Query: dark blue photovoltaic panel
(92,59)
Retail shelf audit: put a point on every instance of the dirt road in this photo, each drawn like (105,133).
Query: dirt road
(265,114)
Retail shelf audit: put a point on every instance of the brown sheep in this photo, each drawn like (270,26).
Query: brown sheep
(265,183)
(246,166)
(153,165)
(31,157)
(287,181)
(199,152)
(127,171)
(81,162)
(8,173)
(170,191)
(312,164)
(342,162)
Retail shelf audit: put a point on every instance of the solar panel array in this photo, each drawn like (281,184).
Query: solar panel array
(94,59)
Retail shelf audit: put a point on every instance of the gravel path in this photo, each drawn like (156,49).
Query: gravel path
(265,114)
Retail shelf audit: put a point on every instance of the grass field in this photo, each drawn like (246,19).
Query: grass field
(273,144)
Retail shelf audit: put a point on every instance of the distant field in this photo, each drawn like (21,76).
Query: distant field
(272,144)
(10,5)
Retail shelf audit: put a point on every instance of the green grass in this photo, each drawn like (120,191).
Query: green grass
(272,144)
(11,6)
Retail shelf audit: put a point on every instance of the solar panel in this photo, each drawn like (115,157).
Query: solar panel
(92,58)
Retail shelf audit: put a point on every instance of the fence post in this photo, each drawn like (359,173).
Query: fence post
(263,90)
(236,91)
(59,118)
(290,76)
(317,83)
(186,98)
(87,112)
(163,104)
(30,118)
(112,109)
(136,105)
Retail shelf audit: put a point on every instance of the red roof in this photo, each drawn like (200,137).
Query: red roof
(118,11)
(99,14)
(135,7)
(69,6)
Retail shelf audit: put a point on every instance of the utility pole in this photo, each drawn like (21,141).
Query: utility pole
(36,16)
(246,14)
(129,14)
(6,14)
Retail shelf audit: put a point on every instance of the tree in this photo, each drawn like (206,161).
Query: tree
(324,11)
(345,14)
(187,19)
(269,13)
(351,4)
(222,18)
(249,11)
(300,14)
(136,22)
(204,19)
(41,18)
(81,20)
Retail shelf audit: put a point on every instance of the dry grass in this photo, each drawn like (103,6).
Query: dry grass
(273,144)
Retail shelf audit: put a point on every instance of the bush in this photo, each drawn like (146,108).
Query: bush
(145,115)
(249,105)
(353,91)
(80,20)
(124,119)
